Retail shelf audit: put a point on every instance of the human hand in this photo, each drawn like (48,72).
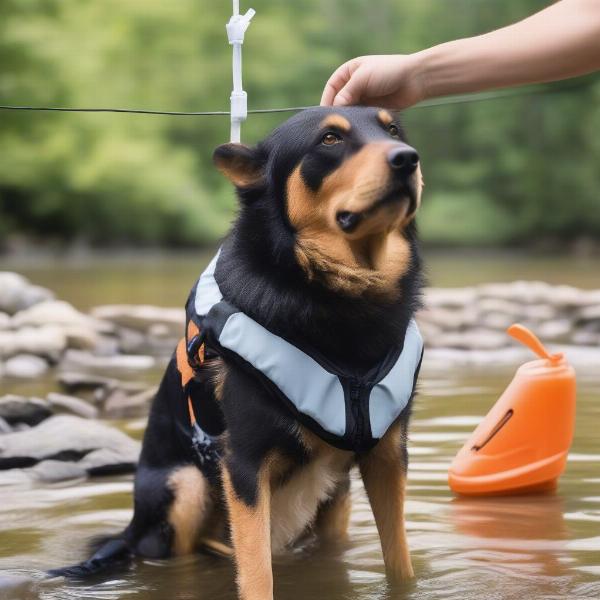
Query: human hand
(389,81)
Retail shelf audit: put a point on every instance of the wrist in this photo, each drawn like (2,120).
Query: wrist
(424,72)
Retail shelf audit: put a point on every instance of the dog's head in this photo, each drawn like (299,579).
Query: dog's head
(344,182)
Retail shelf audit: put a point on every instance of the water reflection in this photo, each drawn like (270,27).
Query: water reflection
(524,533)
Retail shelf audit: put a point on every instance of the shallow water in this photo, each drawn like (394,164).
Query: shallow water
(544,546)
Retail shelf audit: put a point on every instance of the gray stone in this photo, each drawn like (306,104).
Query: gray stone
(589,313)
(475,339)
(585,337)
(525,292)
(499,360)
(4,426)
(70,437)
(449,297)
(76,381)
(20,409)
(449,320)
(16,293)
(131,341)
(142,318)
(4,321)
(58,312)
(49,341)
(555,331)
(80,360)
(497,321)
(49,471)
(120,404)
(71,404)
(25,366)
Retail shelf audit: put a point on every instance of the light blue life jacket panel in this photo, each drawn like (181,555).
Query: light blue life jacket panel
(348,412)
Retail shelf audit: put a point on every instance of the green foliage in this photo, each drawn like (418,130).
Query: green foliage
(498,172)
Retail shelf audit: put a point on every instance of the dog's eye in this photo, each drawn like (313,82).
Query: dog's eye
(330,139)
(394,131)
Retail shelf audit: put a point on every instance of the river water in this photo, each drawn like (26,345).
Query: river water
(528,547)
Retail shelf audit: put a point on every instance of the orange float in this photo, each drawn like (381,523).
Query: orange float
(522,444)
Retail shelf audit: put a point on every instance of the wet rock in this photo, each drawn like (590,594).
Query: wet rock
(564,296)
(522,292)
(80,360)
(25,366)
(142,318)
(49,341)
(58,313)
(87,443)
(476,339)
(497,321)
(4,321)
(555,331)
(131,341)
(4,426)
(499,360)
(589,313)
(447,319)
(449,297)
(586,336)
(120,404)
(76,381)
(71,404)
(17,293)
(20,409)
(50,471)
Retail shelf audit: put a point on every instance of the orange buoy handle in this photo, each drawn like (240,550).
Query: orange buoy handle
(529,339)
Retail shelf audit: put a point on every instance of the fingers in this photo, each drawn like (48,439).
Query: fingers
(354,89)
(337,82)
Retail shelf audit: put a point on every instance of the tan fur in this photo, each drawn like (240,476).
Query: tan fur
(374,258)
(336,121)
(333,519)
(295,503)
(218,374)
(217,547)
(385,118)
(384,478)
(189,508)
(250,530)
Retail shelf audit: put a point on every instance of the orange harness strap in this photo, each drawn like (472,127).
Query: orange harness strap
(183,364)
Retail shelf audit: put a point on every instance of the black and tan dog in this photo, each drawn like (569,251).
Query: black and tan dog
(323,255)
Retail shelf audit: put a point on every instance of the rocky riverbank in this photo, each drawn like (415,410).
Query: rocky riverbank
(105,363)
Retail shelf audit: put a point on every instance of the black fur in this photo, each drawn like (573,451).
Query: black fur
(259,274)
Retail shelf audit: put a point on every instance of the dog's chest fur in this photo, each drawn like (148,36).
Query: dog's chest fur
(295,501)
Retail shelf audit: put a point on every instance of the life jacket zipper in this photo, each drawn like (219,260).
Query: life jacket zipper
(359,428)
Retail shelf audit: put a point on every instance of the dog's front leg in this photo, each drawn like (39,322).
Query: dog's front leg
(383,472)
(249,518)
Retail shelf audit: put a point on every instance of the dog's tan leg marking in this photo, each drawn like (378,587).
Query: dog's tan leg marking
(384,477)
(333,518)
(189,508)
(251,534)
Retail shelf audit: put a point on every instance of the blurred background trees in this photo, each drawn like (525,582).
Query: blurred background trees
(517,170)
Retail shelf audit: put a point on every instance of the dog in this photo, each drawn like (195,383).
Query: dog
(300,357)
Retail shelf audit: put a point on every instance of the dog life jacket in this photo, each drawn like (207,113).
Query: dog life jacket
(351,412)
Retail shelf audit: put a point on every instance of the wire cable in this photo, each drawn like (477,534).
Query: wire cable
(466,98)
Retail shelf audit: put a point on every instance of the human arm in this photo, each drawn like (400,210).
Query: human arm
(558,42)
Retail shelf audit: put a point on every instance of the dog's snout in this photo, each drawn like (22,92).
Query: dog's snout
(403,159)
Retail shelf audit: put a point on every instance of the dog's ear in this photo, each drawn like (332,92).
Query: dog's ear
(242,165)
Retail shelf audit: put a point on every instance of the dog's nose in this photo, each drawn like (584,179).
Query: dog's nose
(403,159)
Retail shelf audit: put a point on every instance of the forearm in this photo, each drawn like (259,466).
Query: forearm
(559,42)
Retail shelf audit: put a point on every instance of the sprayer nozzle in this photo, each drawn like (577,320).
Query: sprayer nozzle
(529,339)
